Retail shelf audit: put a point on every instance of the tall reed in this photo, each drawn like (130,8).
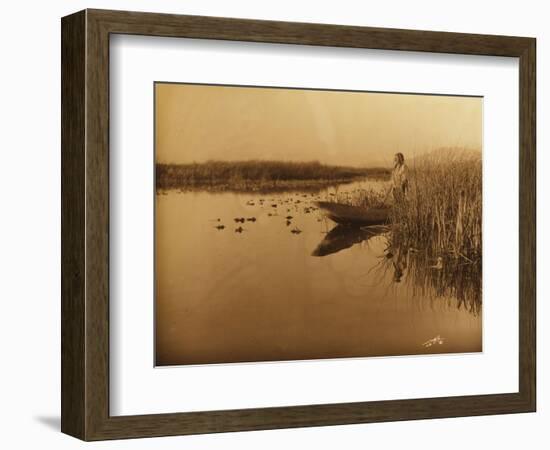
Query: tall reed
(442,209)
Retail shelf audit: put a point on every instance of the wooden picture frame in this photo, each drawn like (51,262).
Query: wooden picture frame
(85,224)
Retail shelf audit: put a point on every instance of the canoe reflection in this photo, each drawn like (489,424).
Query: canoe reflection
(342,237)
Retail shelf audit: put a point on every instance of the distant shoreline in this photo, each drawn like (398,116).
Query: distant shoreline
(258,176)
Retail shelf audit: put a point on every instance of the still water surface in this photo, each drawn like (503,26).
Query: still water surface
(299,288)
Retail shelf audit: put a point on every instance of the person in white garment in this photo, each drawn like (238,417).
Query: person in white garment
(399,178)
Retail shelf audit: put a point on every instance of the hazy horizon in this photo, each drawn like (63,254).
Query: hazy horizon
(198,123)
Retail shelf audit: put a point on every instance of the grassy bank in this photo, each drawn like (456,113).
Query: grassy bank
(257,175)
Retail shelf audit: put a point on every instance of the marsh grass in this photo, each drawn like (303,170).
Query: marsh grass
(363,198)
(442,211)
(256,175)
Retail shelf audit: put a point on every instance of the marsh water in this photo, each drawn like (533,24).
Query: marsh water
(289,284)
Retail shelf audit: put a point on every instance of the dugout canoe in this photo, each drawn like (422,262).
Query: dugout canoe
(354,215)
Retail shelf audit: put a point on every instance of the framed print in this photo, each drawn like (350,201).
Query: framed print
(272,224)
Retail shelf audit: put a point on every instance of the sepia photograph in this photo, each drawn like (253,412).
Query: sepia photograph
(305,224)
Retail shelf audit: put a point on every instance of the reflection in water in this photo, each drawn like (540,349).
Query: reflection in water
(342,237)
(259,295)
(451,279)
(426,277)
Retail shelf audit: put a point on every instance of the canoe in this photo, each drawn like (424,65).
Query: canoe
(354,215)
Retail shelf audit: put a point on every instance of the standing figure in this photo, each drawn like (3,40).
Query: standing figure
(399,178)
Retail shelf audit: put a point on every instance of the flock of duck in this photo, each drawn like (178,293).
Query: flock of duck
(301,203)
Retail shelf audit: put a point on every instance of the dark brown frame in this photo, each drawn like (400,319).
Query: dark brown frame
(85,224)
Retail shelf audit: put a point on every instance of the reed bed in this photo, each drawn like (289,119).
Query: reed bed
(363,198)
(253,175)
(442,210)
(434,238)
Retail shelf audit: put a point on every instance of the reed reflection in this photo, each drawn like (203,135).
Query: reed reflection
(457,281)
(454,280)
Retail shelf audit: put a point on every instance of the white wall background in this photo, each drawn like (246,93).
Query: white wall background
(30,220)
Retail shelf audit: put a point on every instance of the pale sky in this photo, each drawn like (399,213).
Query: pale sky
(196,123)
